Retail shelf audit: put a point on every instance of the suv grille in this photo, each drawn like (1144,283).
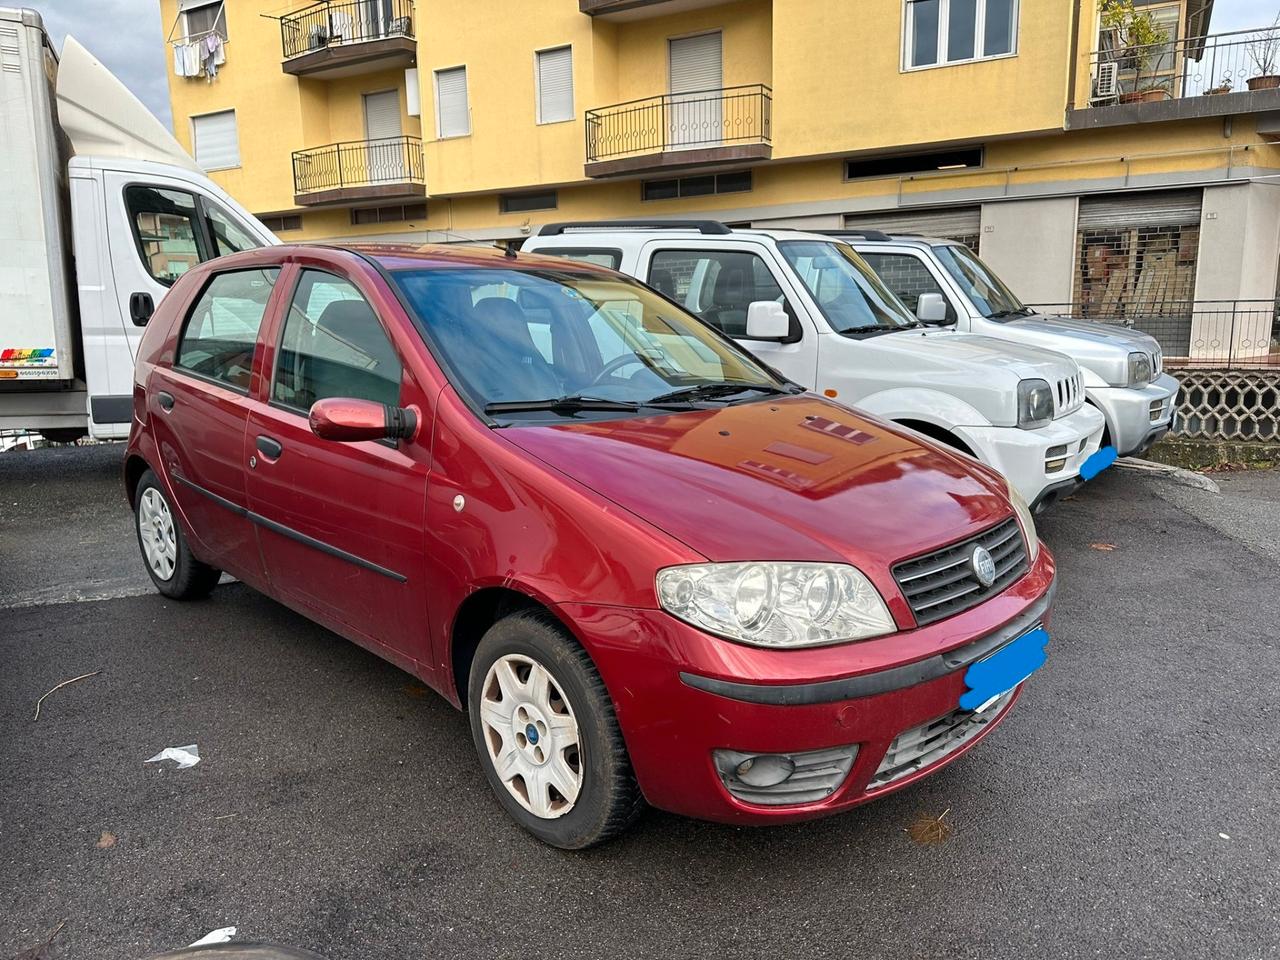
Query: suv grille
(1069,394)
(930,742)
(943,583)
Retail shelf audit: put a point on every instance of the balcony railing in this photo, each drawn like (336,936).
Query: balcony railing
(702,120)
(325,25)
(1222,334)
(359,167)
(1217,65)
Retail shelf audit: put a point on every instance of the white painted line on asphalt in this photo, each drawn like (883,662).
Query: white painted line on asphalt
(87,593)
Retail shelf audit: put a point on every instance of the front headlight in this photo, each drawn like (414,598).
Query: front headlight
(1026,521)
(1139,369)
(1035,404)
(776,604)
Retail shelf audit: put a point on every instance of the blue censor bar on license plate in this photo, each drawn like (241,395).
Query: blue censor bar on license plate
(1098,462)
(1004,669)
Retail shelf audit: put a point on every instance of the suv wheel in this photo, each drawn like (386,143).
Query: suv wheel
(547,736)
(170,563)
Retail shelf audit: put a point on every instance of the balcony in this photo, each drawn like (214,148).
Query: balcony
(706,128)
(359,170)
(1219,75)
(639,9)
(331,40)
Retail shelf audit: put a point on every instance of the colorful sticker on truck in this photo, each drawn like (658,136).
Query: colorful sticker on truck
(28,363)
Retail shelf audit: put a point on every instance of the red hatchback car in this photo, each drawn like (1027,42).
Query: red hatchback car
(648,567)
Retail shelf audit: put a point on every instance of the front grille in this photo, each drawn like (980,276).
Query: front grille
(1157,363)
(930,742)
(943,583)
(1069,394)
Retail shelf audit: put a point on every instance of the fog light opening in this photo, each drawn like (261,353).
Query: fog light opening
(767,770)
(780,779)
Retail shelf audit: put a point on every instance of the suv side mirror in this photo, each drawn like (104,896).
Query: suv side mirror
(767,320)
(347,420)
(931,308)
(141,309)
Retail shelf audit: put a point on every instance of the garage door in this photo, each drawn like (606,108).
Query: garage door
(950,223)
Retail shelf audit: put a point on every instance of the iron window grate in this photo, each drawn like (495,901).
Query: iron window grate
(941,584)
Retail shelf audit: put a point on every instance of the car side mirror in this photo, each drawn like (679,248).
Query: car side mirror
(767,320)
(347,420)
(141,309)
(931,308)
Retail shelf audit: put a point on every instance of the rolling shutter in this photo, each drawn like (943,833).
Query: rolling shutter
(555,85)
(453,113)
(696,64)
(382,115)
(217,145)
(1173,208)
(949,224)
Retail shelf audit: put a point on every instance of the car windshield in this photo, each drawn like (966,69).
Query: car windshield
(852,298)
(538,343)
(983,288)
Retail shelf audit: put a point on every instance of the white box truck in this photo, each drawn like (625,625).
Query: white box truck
(101,210)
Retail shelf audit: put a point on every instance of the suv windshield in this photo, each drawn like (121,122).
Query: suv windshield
(555,343)
(849,294)
(983,288)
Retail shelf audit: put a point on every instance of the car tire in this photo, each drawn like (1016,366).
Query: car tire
(172,567)
(572,720)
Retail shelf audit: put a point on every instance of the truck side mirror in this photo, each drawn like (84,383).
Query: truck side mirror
(931,308)
(141,309)
(767,320)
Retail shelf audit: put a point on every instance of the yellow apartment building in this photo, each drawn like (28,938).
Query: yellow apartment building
(1081,166)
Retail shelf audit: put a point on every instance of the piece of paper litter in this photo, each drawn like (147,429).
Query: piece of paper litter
(184,757)
(221,935)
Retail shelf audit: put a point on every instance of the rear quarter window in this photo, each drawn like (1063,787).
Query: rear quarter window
(221,332)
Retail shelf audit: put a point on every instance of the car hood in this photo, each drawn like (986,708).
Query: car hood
(948,349)
(795,478)
(1103,348)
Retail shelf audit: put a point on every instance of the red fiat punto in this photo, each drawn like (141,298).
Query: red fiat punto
(647,566)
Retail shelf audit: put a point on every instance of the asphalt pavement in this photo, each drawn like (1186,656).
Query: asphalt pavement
(1128,806)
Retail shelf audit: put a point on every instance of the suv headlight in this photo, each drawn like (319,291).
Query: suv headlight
(776,604)
(1026,521)
(1139,369)
(1035,404)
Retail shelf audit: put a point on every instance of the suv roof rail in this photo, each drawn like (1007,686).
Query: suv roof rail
(702,226)
(877,236)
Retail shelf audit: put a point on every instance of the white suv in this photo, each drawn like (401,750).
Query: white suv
(810,307)
(1122,367)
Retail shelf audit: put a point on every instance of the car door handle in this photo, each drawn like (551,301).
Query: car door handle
(165,399)
(269,448)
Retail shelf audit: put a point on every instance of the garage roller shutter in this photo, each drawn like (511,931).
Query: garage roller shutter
(216,141)
(948,223)
(1174,208)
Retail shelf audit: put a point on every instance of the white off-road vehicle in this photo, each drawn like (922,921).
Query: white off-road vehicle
(809,306)
(944,282)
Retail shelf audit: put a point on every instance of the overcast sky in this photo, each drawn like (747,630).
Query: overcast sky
(129,38)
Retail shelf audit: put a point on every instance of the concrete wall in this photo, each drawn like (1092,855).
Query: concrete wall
(1031,245)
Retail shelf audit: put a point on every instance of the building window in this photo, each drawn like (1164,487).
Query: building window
(912,163)
(217,143)
(554,75)
(955,31)
(453,112)
(703,186)
(394,214)
(282,224)
(200,20)
(523,202)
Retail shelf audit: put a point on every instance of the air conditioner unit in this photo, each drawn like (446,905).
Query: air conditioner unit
(1106,82)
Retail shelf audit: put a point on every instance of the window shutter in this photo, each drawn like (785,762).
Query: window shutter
(216,141)
(555,85)
(382,115)
(696,64)
(453,114)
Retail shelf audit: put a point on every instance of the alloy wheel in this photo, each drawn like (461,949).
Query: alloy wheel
(157,533)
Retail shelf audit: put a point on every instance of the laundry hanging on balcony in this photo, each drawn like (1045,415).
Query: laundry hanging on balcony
(199,49)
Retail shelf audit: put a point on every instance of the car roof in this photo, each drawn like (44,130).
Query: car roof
(913,239)
(403,256)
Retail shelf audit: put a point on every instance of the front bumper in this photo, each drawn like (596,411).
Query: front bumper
(681,694)
(1137,416)
(1034,461)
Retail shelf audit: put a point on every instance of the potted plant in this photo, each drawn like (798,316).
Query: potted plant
(1138,38)
(1221,88)
(1264,51)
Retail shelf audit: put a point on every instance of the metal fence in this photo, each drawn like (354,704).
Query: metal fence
(358,163)
(681,121)
(1218,334)
(1191,67)
(327,24)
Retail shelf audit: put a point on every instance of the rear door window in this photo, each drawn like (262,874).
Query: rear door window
(601,257)
(221,332)
(333,345)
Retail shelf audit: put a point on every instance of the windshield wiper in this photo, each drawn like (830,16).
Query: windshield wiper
(1004,314)
(565,405)
(709,391)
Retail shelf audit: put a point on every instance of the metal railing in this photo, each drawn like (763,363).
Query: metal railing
(1218,334)
(681,121)
(358,163)
(1191,67)
(326,24)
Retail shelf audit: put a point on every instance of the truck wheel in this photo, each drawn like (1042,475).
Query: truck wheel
(170,563)
(547,737)
(64,434)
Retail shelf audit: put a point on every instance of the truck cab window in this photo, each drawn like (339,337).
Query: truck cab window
(227,235)
(164,224)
